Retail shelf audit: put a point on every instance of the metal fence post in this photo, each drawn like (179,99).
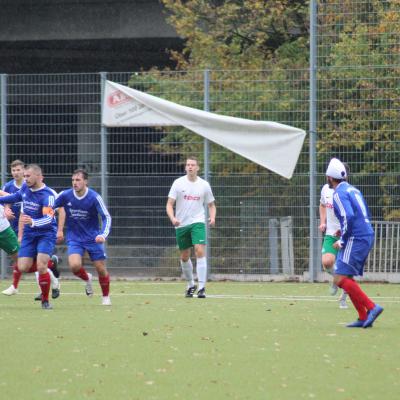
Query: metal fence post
(103,140)
(207,163)
(3,126)
(313,132)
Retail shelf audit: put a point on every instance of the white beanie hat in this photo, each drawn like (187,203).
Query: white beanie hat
(336,169)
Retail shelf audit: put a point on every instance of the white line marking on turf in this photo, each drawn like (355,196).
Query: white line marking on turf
(316,298)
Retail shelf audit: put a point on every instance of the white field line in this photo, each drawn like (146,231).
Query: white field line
(311,298)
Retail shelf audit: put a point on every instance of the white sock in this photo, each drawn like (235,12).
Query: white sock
(54,280)
(187,269)
(202,272)
(37,277)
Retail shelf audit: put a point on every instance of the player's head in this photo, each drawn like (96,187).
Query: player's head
(17,170)
(33,176)
(335,173)
(80,180)
(192,166)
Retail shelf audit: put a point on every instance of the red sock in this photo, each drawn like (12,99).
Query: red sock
(82,274)
(361,301)
(44,283)
(105,284)
(16,275)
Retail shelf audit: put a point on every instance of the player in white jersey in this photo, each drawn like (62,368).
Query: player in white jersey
(8,238)
(190,194)
(330,226)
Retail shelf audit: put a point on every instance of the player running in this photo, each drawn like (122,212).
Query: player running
(13,214)
(40,226)
(83,206)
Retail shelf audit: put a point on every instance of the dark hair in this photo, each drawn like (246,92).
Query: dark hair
(82,172)
(16,163)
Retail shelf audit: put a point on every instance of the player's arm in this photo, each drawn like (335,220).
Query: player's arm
(10,198)
(60,224)
(47,212)
(322,217)
(212,213)
(20,227)
(170,211)
(105,218)
(8,212)
(344,213)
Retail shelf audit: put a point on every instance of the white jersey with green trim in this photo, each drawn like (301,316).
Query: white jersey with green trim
(332,223)
(4,224)
(190,199)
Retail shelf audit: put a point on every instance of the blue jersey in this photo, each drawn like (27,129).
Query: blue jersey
(82,215)
(38,205)
(11,187)
(352,211)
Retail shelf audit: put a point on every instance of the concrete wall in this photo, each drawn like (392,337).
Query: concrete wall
(50,36)
(23,20)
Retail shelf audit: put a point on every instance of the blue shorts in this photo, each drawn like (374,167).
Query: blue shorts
(32,245)
(95,250)
(351,259)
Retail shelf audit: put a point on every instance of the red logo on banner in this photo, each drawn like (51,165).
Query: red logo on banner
(117,98)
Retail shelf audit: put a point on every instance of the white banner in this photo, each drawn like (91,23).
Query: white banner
(270,144)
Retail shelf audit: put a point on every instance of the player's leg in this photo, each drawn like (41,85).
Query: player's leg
(9,243)
(75,263)
(350,262)
(328,259)
(104,281)
(45,246)
(44,278)
(98,256)
(198,233)
(184,241)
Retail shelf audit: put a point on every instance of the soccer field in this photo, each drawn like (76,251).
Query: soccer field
(245,341)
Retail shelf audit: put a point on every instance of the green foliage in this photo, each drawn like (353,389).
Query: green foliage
(360,93)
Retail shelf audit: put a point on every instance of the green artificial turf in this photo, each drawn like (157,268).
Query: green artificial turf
(245,341)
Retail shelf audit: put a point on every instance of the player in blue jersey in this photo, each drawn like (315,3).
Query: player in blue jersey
(13,214)
(355,243)
(83,206)
(40,227)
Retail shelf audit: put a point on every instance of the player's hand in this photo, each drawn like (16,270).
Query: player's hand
(8,213)
(175,222)
(337,244)
(26,219)
(322,228)
(60,237)
(100,239)
(211,222)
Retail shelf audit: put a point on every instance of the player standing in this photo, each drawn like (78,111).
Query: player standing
(190,194)
(83,206)
(355,243)
(13,186)
(40,227)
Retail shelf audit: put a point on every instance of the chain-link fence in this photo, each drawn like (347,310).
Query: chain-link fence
(263,220)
